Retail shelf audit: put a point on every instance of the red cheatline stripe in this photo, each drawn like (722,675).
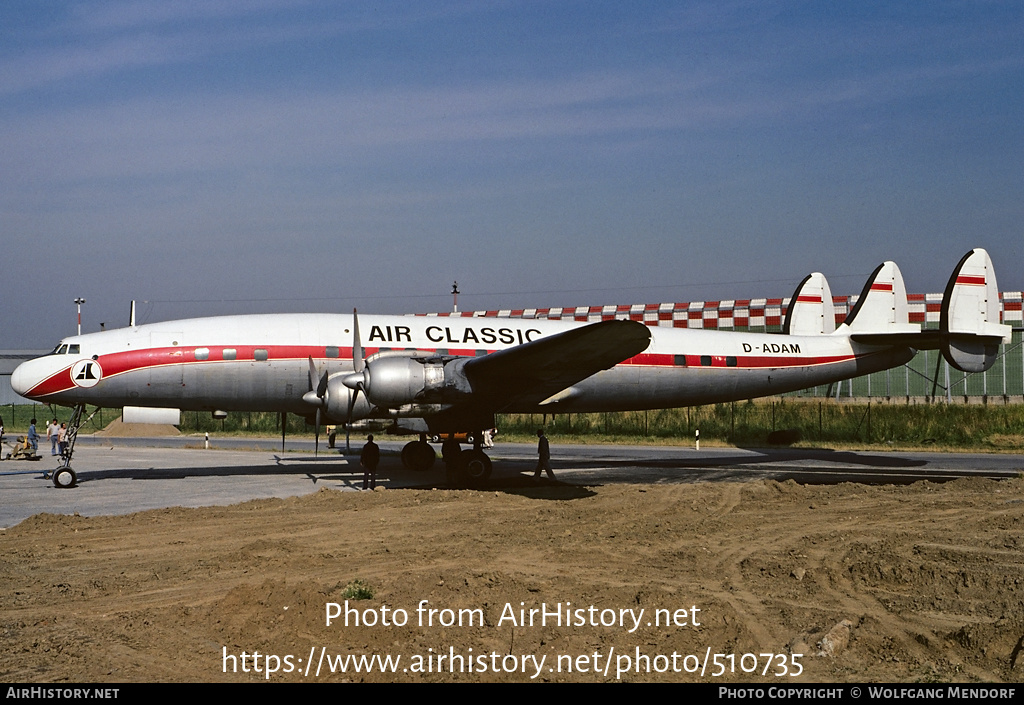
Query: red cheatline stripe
(759,361)
(57,382)
(969,280)
(136,360)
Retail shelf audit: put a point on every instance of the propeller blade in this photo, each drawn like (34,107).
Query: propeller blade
(317,393)
(355,380)
(352,403)
(352,396)
(358,361)
(313,375)
(316,443)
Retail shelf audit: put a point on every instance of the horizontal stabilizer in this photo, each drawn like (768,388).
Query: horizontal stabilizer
(811,311)
(882,306)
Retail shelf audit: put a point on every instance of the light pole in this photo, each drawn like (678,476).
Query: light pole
(79,301)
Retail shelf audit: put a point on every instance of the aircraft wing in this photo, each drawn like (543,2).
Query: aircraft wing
(532,372)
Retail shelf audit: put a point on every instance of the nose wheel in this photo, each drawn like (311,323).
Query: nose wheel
(64,477)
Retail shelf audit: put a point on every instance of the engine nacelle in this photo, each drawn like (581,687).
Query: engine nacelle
(396,381)
(338,397)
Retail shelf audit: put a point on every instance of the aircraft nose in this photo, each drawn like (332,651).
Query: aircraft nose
(26,376)
(21,379)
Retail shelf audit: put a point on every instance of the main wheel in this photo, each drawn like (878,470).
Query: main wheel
(418,455)
(64,477)
(476,467)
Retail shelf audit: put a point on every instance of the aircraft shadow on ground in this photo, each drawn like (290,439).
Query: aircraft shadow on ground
(774,455)
(838,456)
(818,466)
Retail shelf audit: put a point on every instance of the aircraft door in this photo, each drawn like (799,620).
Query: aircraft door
(166,355)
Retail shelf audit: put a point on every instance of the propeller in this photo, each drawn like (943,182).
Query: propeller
(317,395)
(356,380)
(319,388)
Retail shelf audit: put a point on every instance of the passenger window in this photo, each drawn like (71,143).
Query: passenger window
(730,361)
(260,355)
(230,354)
(333,351)
(705,360)
(202,353)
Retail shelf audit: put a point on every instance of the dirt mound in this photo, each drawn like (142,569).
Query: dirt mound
(118,428)
(916,583)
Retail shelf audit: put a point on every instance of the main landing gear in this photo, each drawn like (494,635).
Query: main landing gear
(476,466)
(418,455)
(473,467)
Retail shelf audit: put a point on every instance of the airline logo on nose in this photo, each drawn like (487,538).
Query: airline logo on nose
(86,373)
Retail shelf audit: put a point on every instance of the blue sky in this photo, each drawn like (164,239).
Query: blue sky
(271,155)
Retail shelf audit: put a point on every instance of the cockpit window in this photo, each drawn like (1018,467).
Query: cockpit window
(61,349)
(73,349)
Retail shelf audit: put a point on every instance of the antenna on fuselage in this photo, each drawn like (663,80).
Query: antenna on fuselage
(131,315)
(455,297)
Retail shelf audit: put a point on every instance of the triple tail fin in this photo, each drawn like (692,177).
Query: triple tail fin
(811,311)
(969,331)
(969,319)
(882,307)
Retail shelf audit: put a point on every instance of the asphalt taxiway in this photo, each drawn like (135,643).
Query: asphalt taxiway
(124,475)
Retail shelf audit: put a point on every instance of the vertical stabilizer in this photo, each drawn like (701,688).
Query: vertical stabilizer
(811,311)
(882,306)
(969,320)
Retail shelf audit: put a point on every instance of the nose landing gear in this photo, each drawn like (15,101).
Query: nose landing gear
(64,476)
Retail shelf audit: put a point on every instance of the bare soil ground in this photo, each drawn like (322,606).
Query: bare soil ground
(917,583)
(120,429)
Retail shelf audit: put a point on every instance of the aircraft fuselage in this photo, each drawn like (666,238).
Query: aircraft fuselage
(261,362)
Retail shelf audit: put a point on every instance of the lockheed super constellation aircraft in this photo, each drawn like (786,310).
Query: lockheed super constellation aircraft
(428,375)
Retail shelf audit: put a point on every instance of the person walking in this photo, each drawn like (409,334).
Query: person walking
(543,456)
